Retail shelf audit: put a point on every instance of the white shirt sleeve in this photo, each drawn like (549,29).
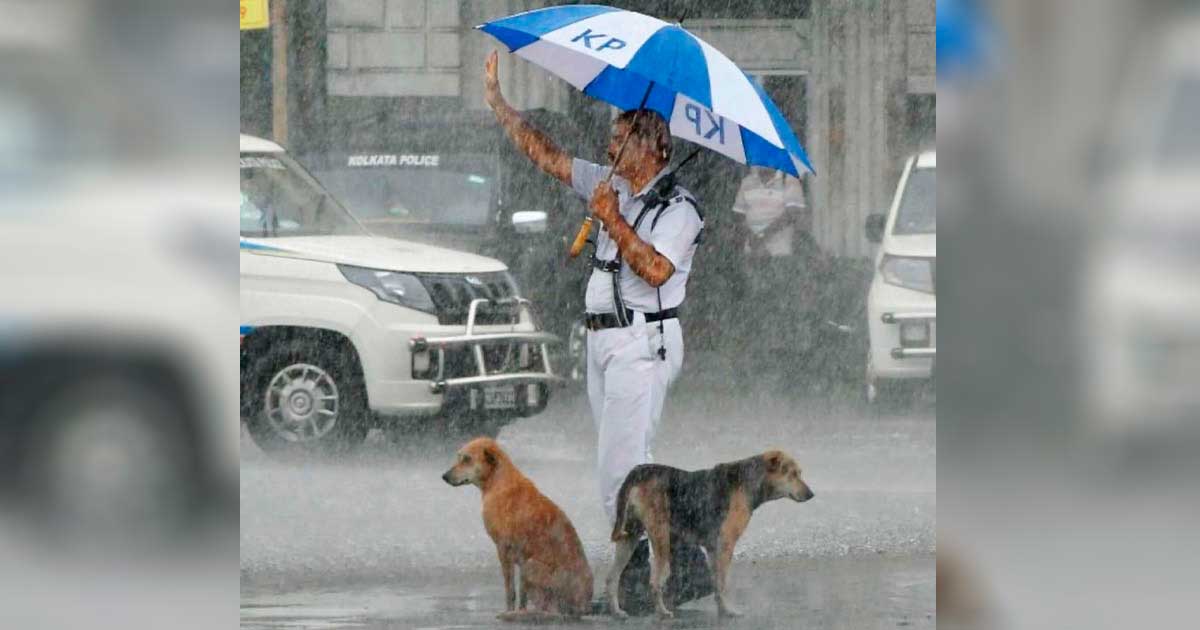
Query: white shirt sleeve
(676,231)
(585,176)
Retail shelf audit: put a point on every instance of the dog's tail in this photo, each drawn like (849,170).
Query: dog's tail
(532,617)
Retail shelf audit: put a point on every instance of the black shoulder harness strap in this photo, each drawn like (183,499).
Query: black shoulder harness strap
(680,197)
(657,202)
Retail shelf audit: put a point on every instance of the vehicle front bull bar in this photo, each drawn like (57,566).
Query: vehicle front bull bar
(439,345)
(903,352)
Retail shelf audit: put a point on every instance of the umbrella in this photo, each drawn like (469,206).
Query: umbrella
(632,61)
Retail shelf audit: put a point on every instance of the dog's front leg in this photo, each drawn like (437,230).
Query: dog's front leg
(721,561)
(507,568)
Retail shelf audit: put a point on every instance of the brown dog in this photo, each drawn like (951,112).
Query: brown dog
(531,534)
(710,508)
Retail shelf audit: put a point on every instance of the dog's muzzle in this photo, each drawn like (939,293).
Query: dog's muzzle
(804,496)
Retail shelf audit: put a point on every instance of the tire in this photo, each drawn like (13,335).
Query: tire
(887,394)
(303,397)
(111,459)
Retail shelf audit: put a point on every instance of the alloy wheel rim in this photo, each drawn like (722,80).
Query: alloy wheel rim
(302,403)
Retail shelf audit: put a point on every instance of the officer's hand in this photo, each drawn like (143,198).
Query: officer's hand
(604,203)
(491,84)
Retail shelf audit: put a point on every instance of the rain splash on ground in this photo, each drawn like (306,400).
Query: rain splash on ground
(378,540)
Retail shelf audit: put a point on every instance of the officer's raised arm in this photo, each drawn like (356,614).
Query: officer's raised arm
(536,145)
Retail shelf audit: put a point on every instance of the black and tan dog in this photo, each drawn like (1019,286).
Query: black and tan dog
(710,508)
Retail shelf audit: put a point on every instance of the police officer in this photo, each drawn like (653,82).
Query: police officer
(644,250)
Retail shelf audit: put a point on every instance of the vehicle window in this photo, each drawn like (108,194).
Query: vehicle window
(280,199)
(918,206)
(1180,140)
(457,192)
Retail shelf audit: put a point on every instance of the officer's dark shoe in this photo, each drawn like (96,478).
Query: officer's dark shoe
(690,579)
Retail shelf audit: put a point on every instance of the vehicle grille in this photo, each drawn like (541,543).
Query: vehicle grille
(452,295)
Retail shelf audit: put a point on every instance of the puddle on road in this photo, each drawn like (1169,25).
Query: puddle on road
(848,593)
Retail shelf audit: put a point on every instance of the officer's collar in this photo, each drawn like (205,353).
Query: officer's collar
(650,184)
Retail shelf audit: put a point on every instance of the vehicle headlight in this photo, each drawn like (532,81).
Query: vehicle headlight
(398,288)
(910,273)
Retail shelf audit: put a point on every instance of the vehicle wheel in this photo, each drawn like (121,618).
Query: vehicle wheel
(112,459)
(885,394)
(870,383)
(305,398)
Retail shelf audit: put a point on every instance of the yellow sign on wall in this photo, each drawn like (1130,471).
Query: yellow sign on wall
(254,14)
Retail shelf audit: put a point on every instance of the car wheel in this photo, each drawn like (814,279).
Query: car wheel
(306,399)
(111,459)
(870,383)
(888,394)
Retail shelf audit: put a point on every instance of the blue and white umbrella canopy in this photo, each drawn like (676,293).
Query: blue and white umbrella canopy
(614,55)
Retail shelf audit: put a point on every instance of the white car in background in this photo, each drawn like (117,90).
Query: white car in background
(902,301)
(343,331)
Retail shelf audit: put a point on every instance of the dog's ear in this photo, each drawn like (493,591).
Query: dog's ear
(489,456)
(774,460)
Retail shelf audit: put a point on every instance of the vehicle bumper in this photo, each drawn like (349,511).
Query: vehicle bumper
(427,369)
(891,310)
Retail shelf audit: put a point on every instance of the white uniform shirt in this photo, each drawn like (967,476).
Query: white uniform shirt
(762,203)
(674,236)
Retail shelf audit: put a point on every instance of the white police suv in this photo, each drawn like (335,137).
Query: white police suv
(343,331)
(902,301)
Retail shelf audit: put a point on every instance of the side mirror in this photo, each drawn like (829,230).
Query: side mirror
(529,222)
(874,227)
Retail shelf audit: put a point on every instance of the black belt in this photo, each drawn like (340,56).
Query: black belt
(600,321)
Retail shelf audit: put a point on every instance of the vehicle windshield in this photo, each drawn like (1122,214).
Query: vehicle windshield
(279,198)
(453,191)
(1180,140)
(918,206)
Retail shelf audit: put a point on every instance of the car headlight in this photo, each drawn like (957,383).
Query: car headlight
(910,273)
(398,288)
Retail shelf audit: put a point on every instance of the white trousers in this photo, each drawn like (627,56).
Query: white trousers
(627,385)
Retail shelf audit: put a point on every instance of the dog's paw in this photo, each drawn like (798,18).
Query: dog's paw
(729,611)
(617,613)
(664,615)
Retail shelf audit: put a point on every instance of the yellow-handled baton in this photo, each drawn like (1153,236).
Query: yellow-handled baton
(582,237)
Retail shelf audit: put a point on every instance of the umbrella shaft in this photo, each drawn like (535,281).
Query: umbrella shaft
(586,228)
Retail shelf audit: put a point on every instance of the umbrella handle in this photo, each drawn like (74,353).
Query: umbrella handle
(581,237)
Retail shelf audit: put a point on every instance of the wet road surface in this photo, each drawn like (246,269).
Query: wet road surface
(377,540)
